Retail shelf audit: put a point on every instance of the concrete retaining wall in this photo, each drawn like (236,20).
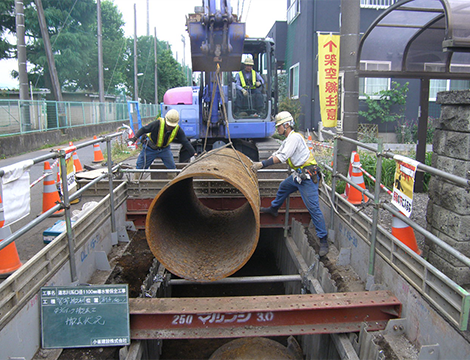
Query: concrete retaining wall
(19,144)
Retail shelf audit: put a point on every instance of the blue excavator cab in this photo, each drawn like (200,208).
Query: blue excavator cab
(213,111)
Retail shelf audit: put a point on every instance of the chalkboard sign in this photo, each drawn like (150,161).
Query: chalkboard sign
(85,316)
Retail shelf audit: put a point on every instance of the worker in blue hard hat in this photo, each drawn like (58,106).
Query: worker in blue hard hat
(159,135)
(249,84)
(305,175)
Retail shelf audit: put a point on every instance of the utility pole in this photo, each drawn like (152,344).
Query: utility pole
(350,26)
(100,63)
(51,62)
(148,18)
(156,68)
(22,70)
(136,89)
(184,56)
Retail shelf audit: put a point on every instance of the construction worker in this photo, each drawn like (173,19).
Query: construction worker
(305,177)
(159,135)
(249,84)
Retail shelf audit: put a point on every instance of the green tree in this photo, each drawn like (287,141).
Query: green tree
(386,105)
(70,25)
(114,51)
(170,72)
(7,25)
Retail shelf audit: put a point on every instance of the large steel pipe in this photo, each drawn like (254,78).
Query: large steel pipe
(198,243)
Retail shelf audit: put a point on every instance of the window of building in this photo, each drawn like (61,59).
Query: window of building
(377,4)
(293,11)
(436,85)
(294,81)
(371,86)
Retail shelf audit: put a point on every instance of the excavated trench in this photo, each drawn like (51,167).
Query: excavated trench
(132,268)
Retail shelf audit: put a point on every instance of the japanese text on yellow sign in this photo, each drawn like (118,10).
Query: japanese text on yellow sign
(402,195)
(328,75)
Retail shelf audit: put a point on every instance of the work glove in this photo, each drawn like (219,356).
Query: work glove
(258,83)
(256,166)
(245,92)
(192,159)
(133,139)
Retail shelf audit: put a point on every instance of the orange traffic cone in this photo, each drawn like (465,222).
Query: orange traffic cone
(76,160)
(309,141)
(9,259)
(98,155)
(403,232)
(50,195)
(353,195)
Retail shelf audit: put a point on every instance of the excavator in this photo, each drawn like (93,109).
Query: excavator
(212,112)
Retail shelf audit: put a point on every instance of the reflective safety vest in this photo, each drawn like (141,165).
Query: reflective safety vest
(161,134)
(253,79)
(310,161)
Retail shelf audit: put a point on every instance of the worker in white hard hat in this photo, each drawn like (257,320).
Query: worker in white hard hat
(305,175)
(159,135)
(249,84)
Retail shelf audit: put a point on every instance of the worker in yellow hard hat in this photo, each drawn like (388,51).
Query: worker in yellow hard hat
(305,175)
(249,84)
(159,135)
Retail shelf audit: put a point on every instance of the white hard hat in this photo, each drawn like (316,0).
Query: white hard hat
(284,117)
(249,61)
(172,118)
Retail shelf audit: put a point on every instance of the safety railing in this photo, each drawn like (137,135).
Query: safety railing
(449,297)
(26,116)
(23,284)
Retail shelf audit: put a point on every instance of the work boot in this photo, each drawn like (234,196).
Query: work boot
(323,246)
(269,210)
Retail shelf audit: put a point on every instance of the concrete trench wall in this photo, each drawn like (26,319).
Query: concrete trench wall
(425,326)
(448,213)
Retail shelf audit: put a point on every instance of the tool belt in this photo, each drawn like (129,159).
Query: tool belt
(313,171)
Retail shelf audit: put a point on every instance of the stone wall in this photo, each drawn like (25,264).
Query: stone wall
(448,215)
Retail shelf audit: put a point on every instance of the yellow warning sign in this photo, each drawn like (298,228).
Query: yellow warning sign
(402,195)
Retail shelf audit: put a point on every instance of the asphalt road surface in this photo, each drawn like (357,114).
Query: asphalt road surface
(32,242)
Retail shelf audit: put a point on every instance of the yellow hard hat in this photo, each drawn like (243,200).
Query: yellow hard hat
(172,118)
(249,61)
(283,117)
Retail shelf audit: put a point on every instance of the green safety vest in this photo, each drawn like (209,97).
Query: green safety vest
(253,79)
(310,161)
(161,133)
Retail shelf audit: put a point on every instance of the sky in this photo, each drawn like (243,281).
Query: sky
(169,19)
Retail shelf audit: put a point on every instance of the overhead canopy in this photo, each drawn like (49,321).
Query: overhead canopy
(418,39)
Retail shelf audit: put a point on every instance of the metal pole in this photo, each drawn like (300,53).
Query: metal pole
(286,220)
(22,71)
(375,214)
(68,223)
(100,63)
(111,193)
(333,185)
(136,89)
(350,21)
(240,280)
(48,48)
(422,132)
(156,67)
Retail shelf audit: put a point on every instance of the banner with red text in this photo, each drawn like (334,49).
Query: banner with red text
(402,195)
(328,75)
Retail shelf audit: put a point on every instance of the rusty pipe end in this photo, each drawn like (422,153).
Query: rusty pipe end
(198,243)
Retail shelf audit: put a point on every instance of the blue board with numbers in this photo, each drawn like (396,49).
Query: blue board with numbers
(85,316)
